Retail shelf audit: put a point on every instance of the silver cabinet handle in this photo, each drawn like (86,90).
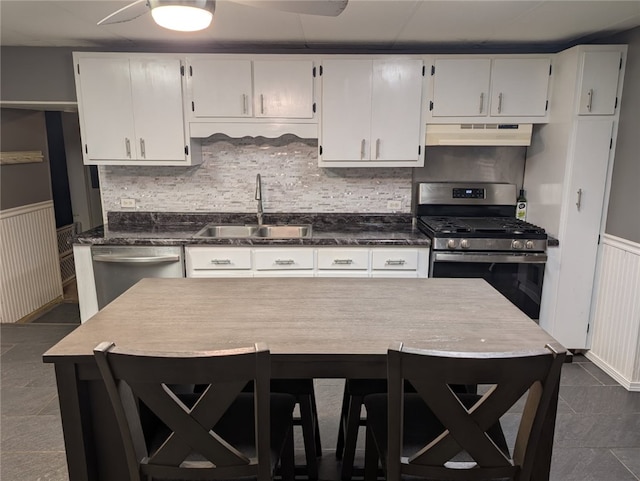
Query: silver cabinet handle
(579,200)
(261,104)
(120,259)
(362,144)
(127,145)
(481,101)
(500,102)
(284,262)
(343,261)
(221,262)
(589,99)
(377,148)
(245,107)
(395,262)
(142,149)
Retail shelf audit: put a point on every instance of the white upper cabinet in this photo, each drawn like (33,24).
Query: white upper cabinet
(105,108)
(461,87)
(501,89)
(221,88)
(245,88)
(372,113)
(599,83)
(346,110)
(519,87)
(396,110)
(131,110)
(283,88)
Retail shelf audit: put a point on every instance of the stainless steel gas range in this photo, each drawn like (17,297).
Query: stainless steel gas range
(474,233)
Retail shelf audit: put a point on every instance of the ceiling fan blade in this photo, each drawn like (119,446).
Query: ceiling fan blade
(126,13)
(325,8)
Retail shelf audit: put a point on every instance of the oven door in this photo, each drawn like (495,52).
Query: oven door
(517,276)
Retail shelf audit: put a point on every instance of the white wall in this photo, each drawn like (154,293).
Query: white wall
(623,218)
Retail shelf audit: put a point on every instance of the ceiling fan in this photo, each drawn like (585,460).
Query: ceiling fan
(192,15)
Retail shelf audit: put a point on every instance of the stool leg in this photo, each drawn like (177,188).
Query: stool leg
(316,425)
(343,420)
(351,436)
(287,461)
(370,457)
(309,436)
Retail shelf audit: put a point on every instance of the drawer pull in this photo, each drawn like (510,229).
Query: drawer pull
(284,262)
(221,262)
(343,261)
(395,262)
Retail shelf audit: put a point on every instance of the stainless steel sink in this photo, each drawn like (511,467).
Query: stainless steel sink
(228,231)
(284,231)
(264,231)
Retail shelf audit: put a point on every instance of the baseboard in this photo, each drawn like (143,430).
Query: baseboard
(39,312)
(623,381)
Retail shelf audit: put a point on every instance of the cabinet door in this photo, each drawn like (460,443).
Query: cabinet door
(346,110)
(519,87)
(106,108)
(461,87)
(396,110)
(599,86)
(221,88)
(283,88)
(158,109)
(579,243)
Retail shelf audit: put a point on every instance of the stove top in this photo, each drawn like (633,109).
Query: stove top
(451,226)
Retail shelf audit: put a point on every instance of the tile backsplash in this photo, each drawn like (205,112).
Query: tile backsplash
(226,181)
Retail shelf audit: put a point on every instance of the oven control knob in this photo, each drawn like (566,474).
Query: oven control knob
(464,243)
(517,244)
(529,244)
(452,243)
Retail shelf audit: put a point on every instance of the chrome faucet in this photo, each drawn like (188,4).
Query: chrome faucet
(259,198)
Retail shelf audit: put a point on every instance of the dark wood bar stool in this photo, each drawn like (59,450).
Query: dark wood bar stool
(222,432)
(436,434)
(304,393)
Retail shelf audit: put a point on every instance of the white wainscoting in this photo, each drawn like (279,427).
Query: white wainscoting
(615,345)
(30,270)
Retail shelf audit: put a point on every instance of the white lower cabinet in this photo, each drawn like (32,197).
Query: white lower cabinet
(215,261)
(283,262)
(343,262)
(204,261)
(396,262)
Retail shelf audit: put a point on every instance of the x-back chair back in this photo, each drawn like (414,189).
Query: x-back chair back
(511,375)
(132,377)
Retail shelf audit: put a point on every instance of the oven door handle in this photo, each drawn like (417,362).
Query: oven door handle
(528,258)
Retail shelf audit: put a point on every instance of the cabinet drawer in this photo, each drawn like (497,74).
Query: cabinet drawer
(215,258)
(343,259)
(283,259)
(394,259)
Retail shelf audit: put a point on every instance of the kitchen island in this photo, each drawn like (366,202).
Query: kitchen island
(314,327)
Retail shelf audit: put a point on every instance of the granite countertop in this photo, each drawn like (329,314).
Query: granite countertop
(152,228)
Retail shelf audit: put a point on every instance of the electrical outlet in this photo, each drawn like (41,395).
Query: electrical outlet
(128,203)
(394,205)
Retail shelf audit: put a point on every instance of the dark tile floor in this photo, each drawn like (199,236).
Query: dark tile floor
(597,433)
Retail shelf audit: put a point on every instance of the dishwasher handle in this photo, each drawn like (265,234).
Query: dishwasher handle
(124,259)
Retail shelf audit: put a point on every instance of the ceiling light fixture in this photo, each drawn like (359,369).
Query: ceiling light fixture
(183,15)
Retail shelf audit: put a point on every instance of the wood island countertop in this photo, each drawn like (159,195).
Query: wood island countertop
(317,321)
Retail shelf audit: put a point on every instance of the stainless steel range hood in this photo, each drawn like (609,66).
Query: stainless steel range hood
(479,134)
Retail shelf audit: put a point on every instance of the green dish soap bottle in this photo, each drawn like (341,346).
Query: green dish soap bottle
(521,206)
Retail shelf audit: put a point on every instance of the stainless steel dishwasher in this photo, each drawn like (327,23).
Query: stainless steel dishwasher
(117,268)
